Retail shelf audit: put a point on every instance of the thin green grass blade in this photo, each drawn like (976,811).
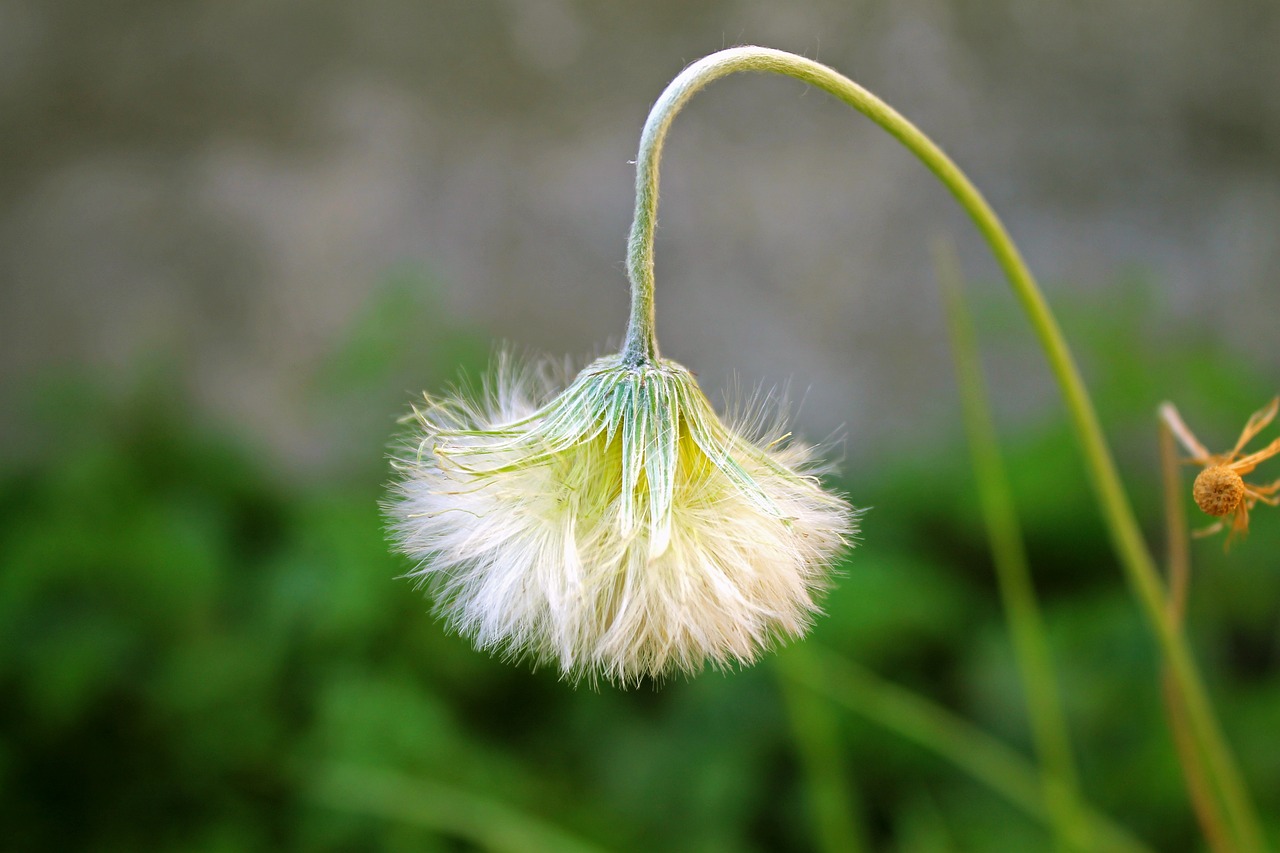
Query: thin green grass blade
(486,823)
(975,752)
(833,805)
(1017,592)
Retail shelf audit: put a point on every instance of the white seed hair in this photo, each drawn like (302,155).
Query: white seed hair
(618,529)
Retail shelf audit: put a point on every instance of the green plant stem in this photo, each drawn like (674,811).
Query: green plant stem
(1203,802)
(1175,519)
(917,719)
(832,804)
(1122,526)
(484,822)
(1017,593)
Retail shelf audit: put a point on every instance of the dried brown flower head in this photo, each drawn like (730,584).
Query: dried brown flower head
(1220,489)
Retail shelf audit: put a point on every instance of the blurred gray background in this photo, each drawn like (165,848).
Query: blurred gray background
(221,187)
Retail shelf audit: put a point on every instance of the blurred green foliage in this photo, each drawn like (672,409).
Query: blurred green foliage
(194,642)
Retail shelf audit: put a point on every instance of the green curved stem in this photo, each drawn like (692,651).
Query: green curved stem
(1126,537)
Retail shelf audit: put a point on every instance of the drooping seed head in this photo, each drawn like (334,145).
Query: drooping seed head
(618,529)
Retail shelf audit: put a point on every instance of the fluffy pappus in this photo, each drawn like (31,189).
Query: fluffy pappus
(618,529)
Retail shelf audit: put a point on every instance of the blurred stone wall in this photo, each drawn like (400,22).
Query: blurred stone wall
(220,186)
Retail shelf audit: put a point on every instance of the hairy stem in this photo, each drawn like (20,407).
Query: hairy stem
(1126,536)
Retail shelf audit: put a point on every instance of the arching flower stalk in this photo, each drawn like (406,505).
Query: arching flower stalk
(693,520)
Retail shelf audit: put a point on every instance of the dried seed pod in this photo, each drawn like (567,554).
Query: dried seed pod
(1218,490)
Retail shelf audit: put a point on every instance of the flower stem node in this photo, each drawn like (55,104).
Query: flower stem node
(619,528)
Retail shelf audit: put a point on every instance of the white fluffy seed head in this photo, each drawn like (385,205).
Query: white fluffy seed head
(616,530)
